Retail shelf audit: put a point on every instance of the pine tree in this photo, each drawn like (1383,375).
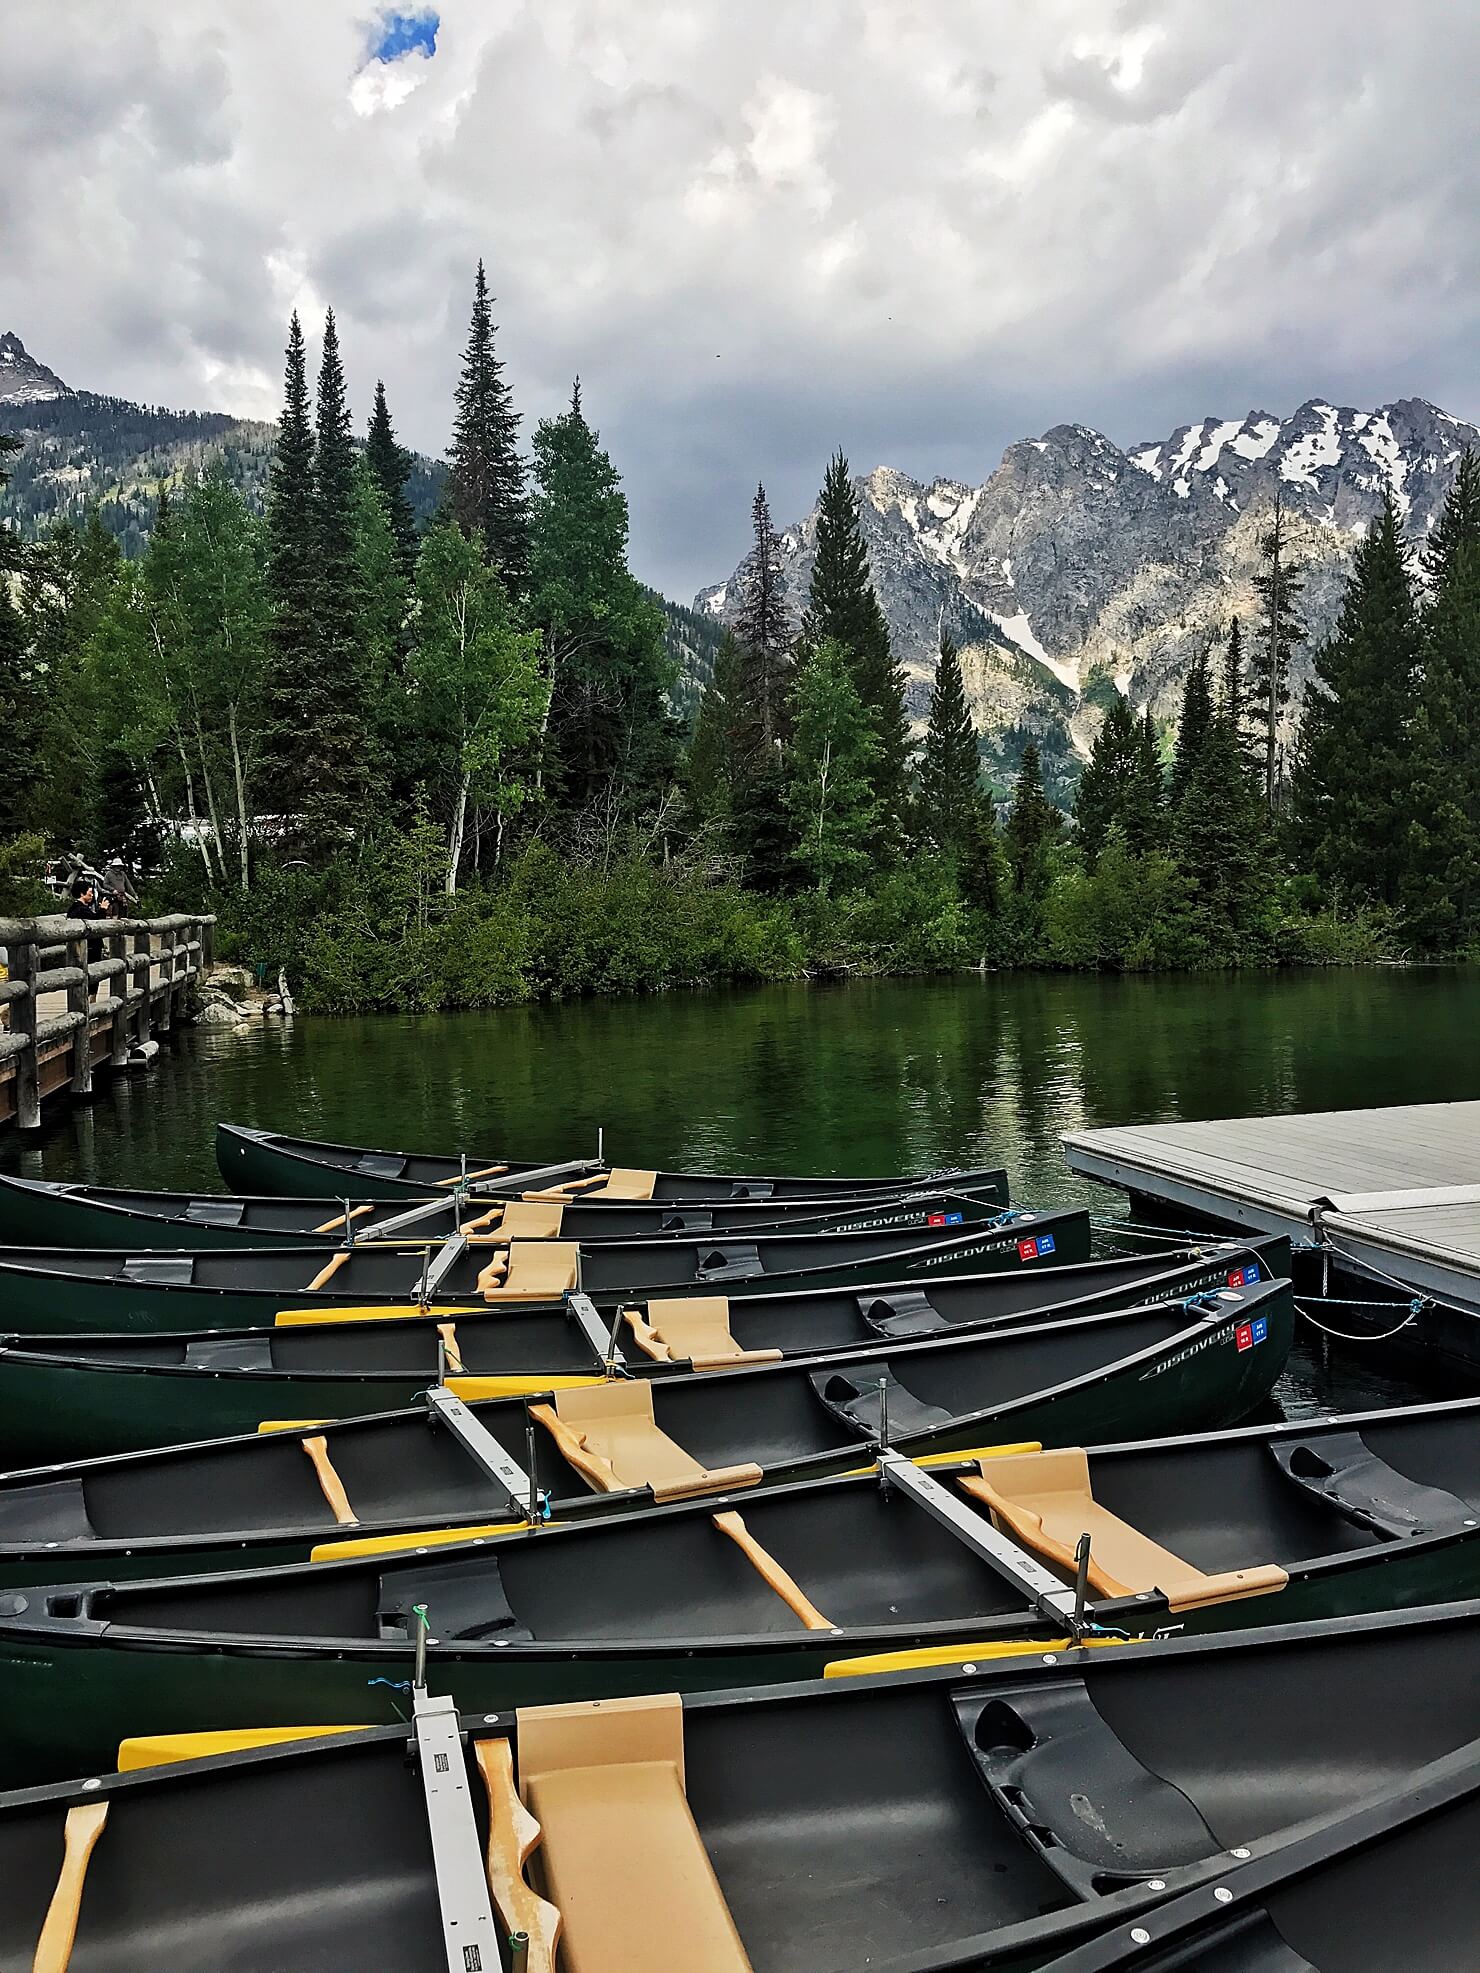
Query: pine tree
(1350,788)
(829,788)
(981,871)
(711,747)
(391,464)
(610,735)
(1280,631)
(292,591)
(1104,786)
(950,765)
(1192,726)
(1220,839)
(1441,885)
(1033,826)
(20,688)
(842,604)
(763,631)
(1143,813)
(486,493)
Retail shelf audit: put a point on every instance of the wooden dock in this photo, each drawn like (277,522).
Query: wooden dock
(1392,1195)
(76,998)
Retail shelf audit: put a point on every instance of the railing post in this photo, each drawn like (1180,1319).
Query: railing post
(167,976)
(142,944)
(118,988)
(78,1003)
(21,963)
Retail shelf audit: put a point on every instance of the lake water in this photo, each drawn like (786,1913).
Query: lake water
(882,1076)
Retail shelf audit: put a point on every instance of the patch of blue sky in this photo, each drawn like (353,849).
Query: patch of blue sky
(395,35)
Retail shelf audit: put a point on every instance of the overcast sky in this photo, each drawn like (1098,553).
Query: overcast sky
(918,229)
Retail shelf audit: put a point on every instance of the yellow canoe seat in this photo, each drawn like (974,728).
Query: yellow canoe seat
(531,1271)
(696,1331)
(619,1183)
(344,1551)
(297,1318)
(618,1764)
(165,1749)
(609,1435)
(1046,1500)
(929,1655)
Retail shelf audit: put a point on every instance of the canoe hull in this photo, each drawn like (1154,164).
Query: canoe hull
(121,1690)
(41,1295)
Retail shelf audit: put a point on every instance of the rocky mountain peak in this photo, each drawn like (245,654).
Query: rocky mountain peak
(1077,565)
(22,379)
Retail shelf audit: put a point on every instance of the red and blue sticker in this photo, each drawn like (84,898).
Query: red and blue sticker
(1245,1277)
(943,1219)
(1248,1334)
(1032,1250)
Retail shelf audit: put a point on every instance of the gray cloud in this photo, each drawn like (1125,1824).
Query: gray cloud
(916,232)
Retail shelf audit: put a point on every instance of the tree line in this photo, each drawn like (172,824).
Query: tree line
(439,762)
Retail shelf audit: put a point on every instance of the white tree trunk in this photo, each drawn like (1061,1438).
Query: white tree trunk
(459,827)
(241,802)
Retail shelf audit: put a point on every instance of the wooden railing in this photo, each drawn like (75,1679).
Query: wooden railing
(55,1029)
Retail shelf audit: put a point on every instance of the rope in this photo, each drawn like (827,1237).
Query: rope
(1415,1308)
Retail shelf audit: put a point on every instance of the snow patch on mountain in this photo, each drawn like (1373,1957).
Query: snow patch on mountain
(22,379)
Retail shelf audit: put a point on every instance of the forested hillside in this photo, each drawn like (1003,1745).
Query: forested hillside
(427,755)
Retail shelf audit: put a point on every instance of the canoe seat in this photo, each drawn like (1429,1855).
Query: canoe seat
(905,1312)
(1047,1501)
(215,1212)
(51,1510)
(607,1432)
(1341,1471)
(161,1270)
(229,1353)
(853,1399)
(618,1183)
(379,1164)
(516,1219)
(696,1330)
(463,1604)
(531,1271)
(619,1854)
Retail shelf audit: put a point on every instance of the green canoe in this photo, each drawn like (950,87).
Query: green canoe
(46,1292)
(1166,1367)
(772,1584)
(51,1213)
(229,1380)
(985,1817)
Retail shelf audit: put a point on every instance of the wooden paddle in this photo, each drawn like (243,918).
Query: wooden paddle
(59,1932)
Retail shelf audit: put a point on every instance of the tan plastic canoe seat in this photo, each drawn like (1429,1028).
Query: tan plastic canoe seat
(618,1183)
(531,1271)
(1046,1500)
(607,1432)
(520,1219)
(697,1330)
(619,1854)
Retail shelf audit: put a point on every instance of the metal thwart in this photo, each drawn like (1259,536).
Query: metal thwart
(602,1340)
(480,1444)
(469,1934)
(434,1269)
(1047,1594)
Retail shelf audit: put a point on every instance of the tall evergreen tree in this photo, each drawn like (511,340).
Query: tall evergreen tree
(1192,726)
(712,745)
(390,462)
(1349,791)
(829,770)
(1233,690)
(1220,838)
(842,604)
(1100,796)
(20,688)
(292,592)
(763,632)
(1143,816)
(1281,630)
(1033,826)
(950,765)
(610,735)
(1441,890)
(486,492)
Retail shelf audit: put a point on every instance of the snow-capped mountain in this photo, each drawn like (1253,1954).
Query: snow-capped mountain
(22,379)
(1077,564)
